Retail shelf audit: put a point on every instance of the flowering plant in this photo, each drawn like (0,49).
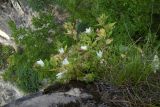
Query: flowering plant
(82,60)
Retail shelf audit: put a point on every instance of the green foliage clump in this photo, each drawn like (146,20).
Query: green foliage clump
(126,65)
(36,43)
(5,52)
(35,40)
(81,60)
(87,47)
(39,4)
(94,56)
(22,74)
(133,17)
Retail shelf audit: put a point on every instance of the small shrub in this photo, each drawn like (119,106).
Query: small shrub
(85,48)
(94,56)
(81,60)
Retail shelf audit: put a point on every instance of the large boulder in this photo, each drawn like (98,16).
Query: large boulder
(73,94)
(71,98)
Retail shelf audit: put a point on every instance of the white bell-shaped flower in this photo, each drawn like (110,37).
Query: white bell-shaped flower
(65,62)
(99,54)
(83,47)
(61,74)
(61,50)
(88,30)
(40,62)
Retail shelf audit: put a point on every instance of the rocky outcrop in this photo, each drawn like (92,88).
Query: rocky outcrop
(16,10)
(19,12)
(8,92)
(73,94)
(71,98)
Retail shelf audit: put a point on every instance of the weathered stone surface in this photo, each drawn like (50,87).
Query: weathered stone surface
(72,98)
(19,12)
(74,94)
(8,92)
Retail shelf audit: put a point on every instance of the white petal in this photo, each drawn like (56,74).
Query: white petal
(84,47)
(99,54)
(61,50)
(40,62)
(60,75)
(65,62)
(88,30)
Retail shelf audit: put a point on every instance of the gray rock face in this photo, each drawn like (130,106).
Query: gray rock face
(74,94)
(16,10)
(5,11)
(19,12)
(8,92)
(72,98)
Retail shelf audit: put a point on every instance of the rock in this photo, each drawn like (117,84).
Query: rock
(72,98)
(8,93)
(19,12)
(74,94)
